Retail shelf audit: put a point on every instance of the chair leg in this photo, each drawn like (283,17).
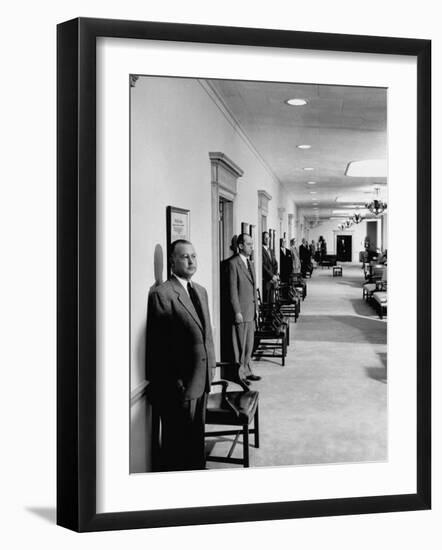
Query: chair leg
(256,425)
(245,440)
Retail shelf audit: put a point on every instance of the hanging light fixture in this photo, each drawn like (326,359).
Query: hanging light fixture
(348,223)
(356,218)
(376,206)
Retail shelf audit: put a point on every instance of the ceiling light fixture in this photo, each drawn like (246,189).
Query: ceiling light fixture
(357,218)
(308,168)
(296,102)
(376,206)
(367,169)
(304,146)
(311,183)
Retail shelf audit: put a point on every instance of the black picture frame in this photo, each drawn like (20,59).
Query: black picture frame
(76,274)
(171,234)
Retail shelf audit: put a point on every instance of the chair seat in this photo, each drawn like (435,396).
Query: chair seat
(370,287)
(219,411)
(271,334)
(380,297)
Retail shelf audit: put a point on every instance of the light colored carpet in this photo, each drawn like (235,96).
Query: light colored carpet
(329,403)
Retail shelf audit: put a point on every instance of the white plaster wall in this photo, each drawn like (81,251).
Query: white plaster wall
(175,124)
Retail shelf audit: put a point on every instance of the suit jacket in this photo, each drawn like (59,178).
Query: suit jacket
(296,261)
(241,289)
(180,354)
(269,265)
(285,264)
(304,253)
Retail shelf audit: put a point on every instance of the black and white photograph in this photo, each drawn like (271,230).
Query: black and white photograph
(232,212)
(220,235)
(258,274)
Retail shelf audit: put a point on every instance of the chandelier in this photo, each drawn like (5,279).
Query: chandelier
(345,225)
(356,218)
(376,206)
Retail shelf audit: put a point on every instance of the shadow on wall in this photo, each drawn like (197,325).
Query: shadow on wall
(141,413)
(158,267)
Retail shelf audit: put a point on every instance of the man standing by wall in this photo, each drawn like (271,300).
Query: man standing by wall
(295,256)
(180,356)
(269,268)
(304,254)
(285,262)
(242,299)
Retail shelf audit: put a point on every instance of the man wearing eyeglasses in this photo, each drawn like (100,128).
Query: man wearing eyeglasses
(180,356)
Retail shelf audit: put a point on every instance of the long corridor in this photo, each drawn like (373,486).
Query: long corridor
(328,404)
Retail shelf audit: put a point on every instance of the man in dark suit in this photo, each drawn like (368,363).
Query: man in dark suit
(304,255)
(242,301)
(285,262)
(269,268)
(180,356)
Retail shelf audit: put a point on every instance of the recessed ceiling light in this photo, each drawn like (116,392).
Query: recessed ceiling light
(312,192)
(311,183)
(308,168)
(296,102)
(304,146)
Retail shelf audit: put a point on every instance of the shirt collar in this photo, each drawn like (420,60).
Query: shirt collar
(243,258)
(183,282)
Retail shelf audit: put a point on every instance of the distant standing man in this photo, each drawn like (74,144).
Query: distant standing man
(242,300)
(304,254)
(285,262)
(180,356)
(295,256)
(269,268)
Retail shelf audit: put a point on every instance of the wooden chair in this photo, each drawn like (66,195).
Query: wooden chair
(288,301)
(379,298)
(271,333)
(378,273)
(299,284)
(270,315)
(233,408)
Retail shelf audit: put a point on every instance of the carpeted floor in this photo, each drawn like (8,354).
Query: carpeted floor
(329,403)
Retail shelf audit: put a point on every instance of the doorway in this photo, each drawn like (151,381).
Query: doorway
(372,234)
(344,248)
(225,249)
(225,228)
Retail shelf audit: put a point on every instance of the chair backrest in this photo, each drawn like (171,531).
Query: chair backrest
(378,271)
(258,295)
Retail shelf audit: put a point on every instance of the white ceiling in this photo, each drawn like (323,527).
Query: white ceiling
(341,123)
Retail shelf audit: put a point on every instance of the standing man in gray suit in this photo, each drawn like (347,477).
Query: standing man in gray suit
(242,300)
(180,356)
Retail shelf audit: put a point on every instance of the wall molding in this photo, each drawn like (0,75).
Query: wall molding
(233,121)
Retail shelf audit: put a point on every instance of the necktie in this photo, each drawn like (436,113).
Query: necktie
(249,267)
(196,303)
